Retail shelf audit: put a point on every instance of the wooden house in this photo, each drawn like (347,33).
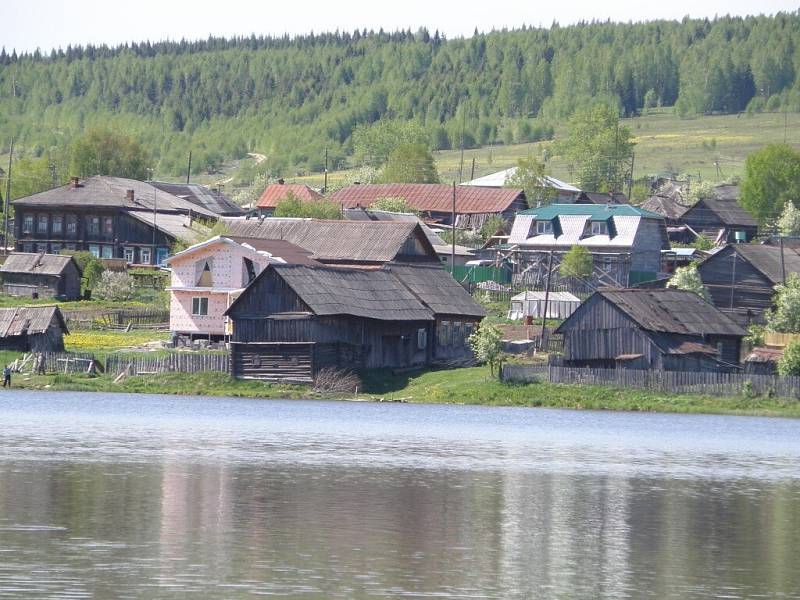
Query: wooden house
(667,330)
(294,320)
(277,192)
(601,198)
(625,242)
(32,329)
(111,217)
(744,276)
(342,242)
(211,199)
(434,201)
(41,276)
(208,276)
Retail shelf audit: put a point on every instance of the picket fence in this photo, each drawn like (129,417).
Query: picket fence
(683,382)
(57,362)
(175,362)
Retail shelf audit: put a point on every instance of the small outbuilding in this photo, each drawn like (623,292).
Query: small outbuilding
(37,275)
(669,330)
(32,329)
(560,305)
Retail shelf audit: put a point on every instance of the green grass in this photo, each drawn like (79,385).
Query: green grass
(98,342)
(471,386)
(664,142)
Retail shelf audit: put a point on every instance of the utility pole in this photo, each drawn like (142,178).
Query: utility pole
(189,168)
(630,179)
(463,129)
(546,298)
(453,250)
(8,198)
(325,185)
(472,172)
(153,257)
(783,265)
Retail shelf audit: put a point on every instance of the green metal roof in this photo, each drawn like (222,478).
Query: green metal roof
(594,211)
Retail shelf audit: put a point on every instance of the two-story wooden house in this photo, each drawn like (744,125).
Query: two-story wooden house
(111,217)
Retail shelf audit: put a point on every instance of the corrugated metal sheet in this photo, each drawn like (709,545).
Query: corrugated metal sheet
(38,264)
(176,226)
(431,197)
(767,259)
(201,196)
(276,192)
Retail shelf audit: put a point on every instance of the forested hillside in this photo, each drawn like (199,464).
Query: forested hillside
(291,98)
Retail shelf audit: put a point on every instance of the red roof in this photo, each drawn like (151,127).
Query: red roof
(276,192)
(433,197)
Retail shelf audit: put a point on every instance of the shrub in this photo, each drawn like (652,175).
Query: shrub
(114,286)
(789,364)
(335,381)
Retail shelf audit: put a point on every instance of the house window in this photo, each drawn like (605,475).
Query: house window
(93,226)
(129,255)
(71,246)
(27,224)
(41,224)
(543,227)
(72,225)
(599,228)
(250,271)
(720,347)
(94,250)
(41,248)
(58,224)
(55,248)
(108,226)
(200,306)
(144,254)
(27,247)
(422,339)
(107,251)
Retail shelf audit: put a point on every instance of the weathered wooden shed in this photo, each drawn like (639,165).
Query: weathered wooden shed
(668,330)
(32,329)
(41,276)
(294,320)
(744,276)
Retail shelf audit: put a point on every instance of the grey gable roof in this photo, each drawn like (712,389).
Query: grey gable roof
(437,289)
(767,259)
(371,294)
(672,311)
(36,264)
(728,211)
(104,191)
(30,319)
(342,241)
(201,196)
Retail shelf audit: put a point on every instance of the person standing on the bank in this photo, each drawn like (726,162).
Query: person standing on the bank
(7,376)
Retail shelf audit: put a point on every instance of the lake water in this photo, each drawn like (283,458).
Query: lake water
(133,496)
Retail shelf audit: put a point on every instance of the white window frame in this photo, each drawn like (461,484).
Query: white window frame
(129,253)
(544,227)
(599,228)
(144,256)
(200,306)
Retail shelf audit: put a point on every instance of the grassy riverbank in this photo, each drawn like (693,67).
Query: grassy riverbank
(459,386)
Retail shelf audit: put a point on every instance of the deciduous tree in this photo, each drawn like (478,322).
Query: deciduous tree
(772,178)
(687,278)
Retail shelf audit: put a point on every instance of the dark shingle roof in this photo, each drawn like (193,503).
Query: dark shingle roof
(174,225)
(436,197)
(767,259)
(106,191)
(672,311)
(665,206)
(728,210)
(37,264)
(31,319)
(437,289)
(201,196)
(332,240)
(373,294)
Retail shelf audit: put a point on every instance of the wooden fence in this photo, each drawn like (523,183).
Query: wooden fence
(56,362)
(132,318)
(682,382)
(174,362)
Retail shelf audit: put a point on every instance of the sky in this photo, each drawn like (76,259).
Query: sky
(46,24)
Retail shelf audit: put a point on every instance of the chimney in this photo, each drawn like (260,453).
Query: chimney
(74,182)
(281,181)
(129,195)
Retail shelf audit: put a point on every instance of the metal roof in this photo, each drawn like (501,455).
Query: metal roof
(174,225)
(551,296)
(767,259)
(101,190)
(373,294)
(275,192)
(37,264)
(672,311)
(431,197)
(500,178)
(29,320)
(593,211)
(341,241)
(202,196)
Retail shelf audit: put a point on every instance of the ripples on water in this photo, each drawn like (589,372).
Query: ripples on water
(142,496)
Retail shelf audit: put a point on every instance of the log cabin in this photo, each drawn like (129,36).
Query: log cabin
(41,276)
(295,320)
(111,217)
(669,330)
(32,329)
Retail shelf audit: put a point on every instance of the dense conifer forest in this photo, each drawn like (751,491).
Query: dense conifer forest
(290,98)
